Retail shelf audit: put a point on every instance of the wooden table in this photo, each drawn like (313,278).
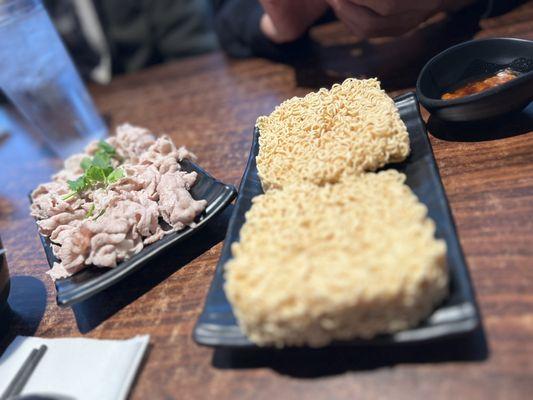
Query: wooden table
(210,105)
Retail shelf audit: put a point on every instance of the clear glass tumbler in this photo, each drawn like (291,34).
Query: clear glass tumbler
(38,76)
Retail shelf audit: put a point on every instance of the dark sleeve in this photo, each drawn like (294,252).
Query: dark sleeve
(237,25)
(498,7)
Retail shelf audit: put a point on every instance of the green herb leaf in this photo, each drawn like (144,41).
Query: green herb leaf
(78,185)
(90,211)
(102,160)
(98,171)
(69,195)
(115,175)
(86,163)
(106,148)
(95,175)
(102,211)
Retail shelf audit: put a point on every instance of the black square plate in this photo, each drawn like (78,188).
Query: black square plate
(217,325)
(92,280)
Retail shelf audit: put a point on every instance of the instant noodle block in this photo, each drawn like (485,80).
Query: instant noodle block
(340,261)
(330,134)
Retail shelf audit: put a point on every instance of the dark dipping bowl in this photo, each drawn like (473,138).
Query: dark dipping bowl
(471,61)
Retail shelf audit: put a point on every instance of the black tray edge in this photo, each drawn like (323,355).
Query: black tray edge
(78,294)
(212,335)
(200,330)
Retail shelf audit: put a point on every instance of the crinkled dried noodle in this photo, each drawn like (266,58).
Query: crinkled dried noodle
(353,259)
(327,135)
(331,252)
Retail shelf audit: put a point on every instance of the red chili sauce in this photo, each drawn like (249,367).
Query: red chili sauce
(499,78)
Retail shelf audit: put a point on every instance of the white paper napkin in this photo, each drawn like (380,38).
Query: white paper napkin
(80,368)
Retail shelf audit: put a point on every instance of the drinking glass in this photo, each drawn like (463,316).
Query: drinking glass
(38,76)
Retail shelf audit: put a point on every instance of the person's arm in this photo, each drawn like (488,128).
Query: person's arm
(379,18)
(244,28)
(376,18)
(277,31)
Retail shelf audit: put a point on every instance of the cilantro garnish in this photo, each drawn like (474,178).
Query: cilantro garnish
(90,211)
(105,147)
(85,163)
(115,175)
(102,211)
(98,171)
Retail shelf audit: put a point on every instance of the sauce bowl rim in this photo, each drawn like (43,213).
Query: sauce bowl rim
(432,101)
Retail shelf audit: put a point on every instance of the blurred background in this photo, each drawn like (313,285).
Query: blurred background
(106,38)
(110,37)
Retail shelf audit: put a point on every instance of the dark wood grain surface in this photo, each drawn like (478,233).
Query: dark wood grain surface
(210,105)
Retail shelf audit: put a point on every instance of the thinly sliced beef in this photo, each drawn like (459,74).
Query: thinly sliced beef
(73,251)
(49,225)
(47,200)
(131,142)
(164,155)
(176,205)
(105,226)
(139,177)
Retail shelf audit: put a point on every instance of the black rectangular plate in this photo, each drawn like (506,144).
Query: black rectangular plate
(458,315)
(92,280)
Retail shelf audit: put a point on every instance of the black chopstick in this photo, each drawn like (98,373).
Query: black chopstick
(24,373)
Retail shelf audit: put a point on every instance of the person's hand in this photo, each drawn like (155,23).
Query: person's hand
(376,18)
(286,20)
